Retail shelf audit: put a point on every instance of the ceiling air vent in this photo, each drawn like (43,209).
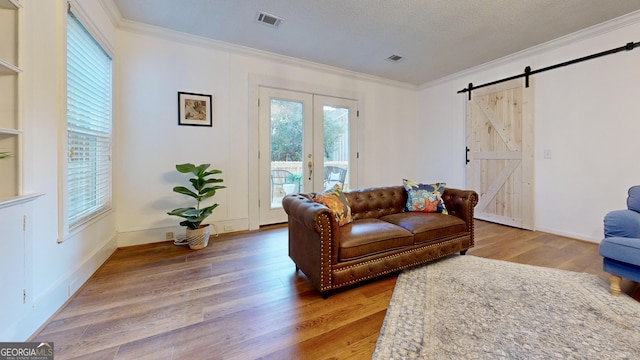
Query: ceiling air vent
(269,19)
(395,58)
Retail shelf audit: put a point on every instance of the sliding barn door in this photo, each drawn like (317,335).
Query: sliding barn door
(500,152)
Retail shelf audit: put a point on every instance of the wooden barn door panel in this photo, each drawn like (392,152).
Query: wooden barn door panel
(500,142)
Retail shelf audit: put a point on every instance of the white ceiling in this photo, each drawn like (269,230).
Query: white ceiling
(436,37)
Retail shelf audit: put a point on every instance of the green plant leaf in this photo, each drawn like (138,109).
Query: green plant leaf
(212,172)
(186,168)
(189,224)
(209,192)
(183,212)
(197,183)
(183,190)
(200,170)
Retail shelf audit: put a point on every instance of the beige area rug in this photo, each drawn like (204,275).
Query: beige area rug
(466,307)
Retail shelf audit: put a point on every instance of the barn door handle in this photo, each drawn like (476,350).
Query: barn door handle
(466,155)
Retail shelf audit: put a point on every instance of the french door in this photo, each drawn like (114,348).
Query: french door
(307,143)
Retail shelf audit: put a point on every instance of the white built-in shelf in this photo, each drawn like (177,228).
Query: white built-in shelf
(8,68)
(17,200)
(11,181)
(10,131)
(10,4)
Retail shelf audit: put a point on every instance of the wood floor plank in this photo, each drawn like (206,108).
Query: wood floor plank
(346,341)
(240,298)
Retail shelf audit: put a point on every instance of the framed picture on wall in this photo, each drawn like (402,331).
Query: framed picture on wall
(195,109)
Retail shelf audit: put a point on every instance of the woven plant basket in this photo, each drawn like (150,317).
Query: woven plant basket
(198,238)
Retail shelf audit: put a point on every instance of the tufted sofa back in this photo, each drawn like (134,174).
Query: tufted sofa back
(376,202)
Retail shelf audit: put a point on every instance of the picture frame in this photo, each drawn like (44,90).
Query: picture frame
(195,109)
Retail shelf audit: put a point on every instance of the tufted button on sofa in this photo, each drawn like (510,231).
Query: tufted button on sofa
(382,238)
(620,247)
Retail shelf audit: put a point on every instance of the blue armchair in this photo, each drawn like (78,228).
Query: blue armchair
(620,247)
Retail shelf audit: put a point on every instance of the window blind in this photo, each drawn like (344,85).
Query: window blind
(89,180)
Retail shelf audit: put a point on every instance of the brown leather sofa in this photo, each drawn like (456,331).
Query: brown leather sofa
(382,238)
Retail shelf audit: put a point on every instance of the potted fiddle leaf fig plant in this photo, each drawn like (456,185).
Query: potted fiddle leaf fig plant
(202,188)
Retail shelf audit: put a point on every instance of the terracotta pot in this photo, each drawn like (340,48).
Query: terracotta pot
(199,238)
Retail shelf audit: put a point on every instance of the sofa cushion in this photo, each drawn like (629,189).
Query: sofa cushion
(622,223)
(427,226)
(621,249)
(370,236)
(424,197)
(335,200)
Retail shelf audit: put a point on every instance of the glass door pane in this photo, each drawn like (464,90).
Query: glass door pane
(337,145)
(286,137)
(286,149)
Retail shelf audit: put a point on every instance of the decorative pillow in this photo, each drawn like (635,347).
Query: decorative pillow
(335,200)
(424,197)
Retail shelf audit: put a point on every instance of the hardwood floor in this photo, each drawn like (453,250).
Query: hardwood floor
(240,298)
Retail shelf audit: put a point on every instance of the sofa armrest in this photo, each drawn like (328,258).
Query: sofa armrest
(461,203)
(633,200)
(313,238)
(306,211)
(622,223)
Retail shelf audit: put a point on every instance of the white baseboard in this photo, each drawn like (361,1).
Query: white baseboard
(52,299)
(149,236)
(569,235)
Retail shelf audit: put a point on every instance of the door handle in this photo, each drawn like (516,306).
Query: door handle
(466,155)
(310,166)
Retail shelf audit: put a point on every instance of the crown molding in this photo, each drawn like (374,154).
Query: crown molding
(112,11)
(580,35)
(184,38)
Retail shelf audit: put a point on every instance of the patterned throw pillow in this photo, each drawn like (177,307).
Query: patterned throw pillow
(424,197)
(336,201)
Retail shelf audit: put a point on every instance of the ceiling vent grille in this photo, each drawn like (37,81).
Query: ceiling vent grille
(395,58)
(269,19)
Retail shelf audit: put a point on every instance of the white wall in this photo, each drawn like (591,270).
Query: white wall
(587,114)
(154,64)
